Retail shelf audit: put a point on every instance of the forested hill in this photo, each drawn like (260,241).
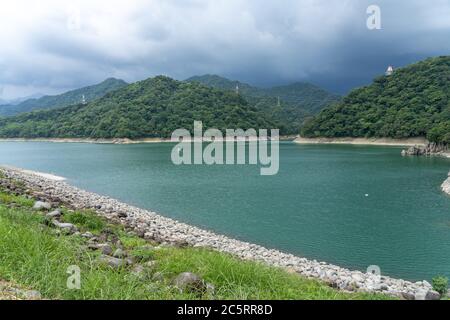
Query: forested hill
(215,81)
(412,102)
(289,106)
(309,97)
(302,95)
(90,93)
(151,108)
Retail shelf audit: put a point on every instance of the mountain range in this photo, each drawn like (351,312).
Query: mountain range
(303,95)
(16,101)
(151,108)
(89,93)
(288,105)
(412,102)
(157,106)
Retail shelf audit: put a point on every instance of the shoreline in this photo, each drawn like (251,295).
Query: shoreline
(153,226)
(365,141)
(48,176)
(122,140)
(86,140)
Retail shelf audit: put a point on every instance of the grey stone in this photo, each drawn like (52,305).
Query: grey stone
(87,235)
(119,253)
(408,296)
(65,226)
(93,246)
(112,262)
(432,295)
(180,244)
(32,295)
(158,277)
(54,214)
(151,264)
(420,294)
(106,249)
(122,214)
(93,240)
(357,277)
(41,206)
(190,282)
(384,287)
(138,270)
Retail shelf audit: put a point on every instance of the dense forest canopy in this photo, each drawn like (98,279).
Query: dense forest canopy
(151,108)
(413,102)
(288,105)
(89,93)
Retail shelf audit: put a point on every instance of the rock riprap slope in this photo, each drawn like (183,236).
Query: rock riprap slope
(152,226)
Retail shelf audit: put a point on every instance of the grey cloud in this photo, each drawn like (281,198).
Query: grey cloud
(264,43)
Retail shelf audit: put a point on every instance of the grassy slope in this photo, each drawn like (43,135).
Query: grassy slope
(34,255)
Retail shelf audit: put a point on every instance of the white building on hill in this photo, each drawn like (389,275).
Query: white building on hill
(390,71)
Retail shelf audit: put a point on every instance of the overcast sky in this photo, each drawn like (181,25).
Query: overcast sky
(50,46)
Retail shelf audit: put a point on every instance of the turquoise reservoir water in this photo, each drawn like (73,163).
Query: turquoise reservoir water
(315,207)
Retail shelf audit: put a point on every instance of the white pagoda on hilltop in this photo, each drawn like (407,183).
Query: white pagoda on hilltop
(390,71)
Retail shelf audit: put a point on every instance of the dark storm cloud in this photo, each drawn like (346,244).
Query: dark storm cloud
(57,46)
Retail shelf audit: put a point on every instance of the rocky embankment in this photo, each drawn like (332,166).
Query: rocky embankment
(426,150)
(154,227)
(363,141)
(446,185)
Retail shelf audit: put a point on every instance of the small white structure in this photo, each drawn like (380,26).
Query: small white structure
(83,100)
(237,88)
(390,71)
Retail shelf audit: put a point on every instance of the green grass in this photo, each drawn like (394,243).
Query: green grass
(85,220)
(9,199)
(33,255)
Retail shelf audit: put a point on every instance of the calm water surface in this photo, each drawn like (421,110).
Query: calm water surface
(315,207)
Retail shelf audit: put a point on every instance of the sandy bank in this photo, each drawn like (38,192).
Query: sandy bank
(86,140)
(364,141)
(119,141)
